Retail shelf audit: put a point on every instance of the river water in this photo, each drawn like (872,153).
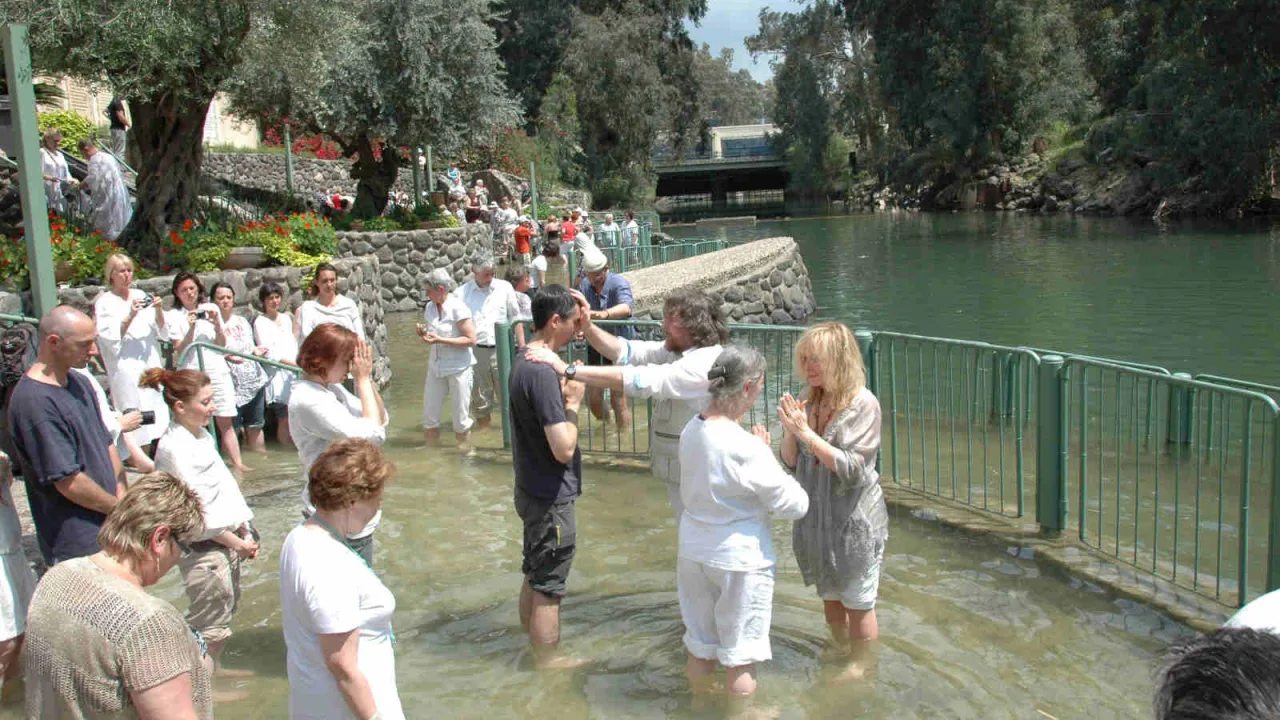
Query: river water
(971,628)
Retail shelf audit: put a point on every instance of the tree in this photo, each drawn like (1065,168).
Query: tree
(728,96)
(403,73)
(168,59)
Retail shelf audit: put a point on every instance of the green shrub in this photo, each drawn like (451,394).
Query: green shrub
(72,124)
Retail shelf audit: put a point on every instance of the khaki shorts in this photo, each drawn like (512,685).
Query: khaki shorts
(211,573)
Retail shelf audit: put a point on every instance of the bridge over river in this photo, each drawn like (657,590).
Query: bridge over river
(738,159)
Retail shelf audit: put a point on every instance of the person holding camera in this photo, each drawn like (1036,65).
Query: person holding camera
(211,570)
(192,321)
(451,334)
(130,325)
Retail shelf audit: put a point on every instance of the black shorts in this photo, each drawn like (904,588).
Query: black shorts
(550,537)
(253,413)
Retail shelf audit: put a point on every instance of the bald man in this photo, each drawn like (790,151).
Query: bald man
(69,464)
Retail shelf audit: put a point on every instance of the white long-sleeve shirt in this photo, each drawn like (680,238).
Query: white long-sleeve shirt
(731,484)
(194,460)
(489,306)
(318,415)
(678,381)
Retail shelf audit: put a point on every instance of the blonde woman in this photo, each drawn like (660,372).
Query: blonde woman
(832,440)
(130,325)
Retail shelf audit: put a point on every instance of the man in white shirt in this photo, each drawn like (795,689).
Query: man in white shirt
(673,372)
(491,301)
(610,235)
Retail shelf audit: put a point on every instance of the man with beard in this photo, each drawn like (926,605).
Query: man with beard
(673,372)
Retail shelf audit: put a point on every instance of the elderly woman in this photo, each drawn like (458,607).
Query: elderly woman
(211,571)
(57,176)
(126,653)
(337,613)
(130,325)
(322,411)
(730,485)
(832,439)
(451,334)
(327,306)
(192,321)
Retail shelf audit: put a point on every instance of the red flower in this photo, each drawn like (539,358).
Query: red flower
(280,231)
(177,241)
(187,225)
(173,236)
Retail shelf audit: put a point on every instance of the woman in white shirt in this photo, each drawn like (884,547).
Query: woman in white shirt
(248,379)
(322,411)
(327,306)
(192,321)
(211,569)
(336,612)
(451,334)
(130,325)
(274,331)
(57,176)
(730,484)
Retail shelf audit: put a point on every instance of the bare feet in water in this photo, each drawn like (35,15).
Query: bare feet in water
(229,696)
(563,663)
(854,672)
(230,673)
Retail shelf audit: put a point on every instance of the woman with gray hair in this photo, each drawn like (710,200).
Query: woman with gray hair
(730,485)
(98,644)
(451,334)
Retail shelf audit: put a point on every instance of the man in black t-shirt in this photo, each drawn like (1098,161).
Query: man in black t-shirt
(548,469)
(69,464)
(119,126)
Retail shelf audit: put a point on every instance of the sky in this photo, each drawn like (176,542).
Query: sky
(728,22)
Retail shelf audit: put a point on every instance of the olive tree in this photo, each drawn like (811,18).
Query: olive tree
(405,72)
(168,59)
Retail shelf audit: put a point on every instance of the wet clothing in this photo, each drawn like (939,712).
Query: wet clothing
(839,542)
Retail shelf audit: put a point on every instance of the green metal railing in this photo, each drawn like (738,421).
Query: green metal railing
(956,418)
(199,347)
(15,319)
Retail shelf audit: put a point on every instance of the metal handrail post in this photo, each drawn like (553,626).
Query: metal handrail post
(1051,494)
(288,161)
(503,346)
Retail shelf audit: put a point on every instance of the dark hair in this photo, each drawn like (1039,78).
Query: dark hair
(327,345)
(84,144)
(314,289)
(699,314)
(549,301)
(551,249)
(269,288)
(348,471)
(213,291)
(516,274)
(1230,673)
(175,385)
(182,277)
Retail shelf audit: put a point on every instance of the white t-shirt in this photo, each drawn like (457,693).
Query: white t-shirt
(194,460)
(139,348)
(277,337)
(730,484)
(248,376)
(539,269)
(175,321)
(318,415)
(344,312)
(446,359)
(631,233)
(326,588)
(489,306)
(678,382)
(1261,613)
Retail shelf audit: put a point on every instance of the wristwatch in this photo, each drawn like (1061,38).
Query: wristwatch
(570,372)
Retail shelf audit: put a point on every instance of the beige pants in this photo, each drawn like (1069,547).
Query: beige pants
(211,573)
(485,394)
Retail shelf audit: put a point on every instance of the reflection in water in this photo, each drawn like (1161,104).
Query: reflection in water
(969,628)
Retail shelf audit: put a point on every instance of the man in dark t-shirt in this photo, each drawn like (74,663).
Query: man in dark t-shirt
(69,464)
(548,469)
(119,126)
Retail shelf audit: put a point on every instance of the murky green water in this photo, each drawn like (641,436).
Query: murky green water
(971,628)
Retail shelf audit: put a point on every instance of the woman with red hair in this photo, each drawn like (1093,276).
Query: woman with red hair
(322,411)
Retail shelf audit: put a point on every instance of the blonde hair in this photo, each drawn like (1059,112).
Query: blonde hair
(50,135)
(153,501)
(836,349)
(113,261)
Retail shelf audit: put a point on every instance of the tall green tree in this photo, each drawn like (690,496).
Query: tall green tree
(728,96)
(168,59)
(402,73)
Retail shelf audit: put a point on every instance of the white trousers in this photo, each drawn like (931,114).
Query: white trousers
(458,387)
(484,386)
(726,613)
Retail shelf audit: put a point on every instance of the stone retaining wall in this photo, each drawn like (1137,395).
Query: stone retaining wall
(311,178)
(357,279)
(405,257)
(761,282)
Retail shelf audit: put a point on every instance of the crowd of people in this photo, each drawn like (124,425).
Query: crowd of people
(104,538)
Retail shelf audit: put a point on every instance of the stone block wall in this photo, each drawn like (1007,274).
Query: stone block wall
(265,171)
(356,279)
(761,282)
(406,257)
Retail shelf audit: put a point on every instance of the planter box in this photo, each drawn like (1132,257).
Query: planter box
(244,258)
